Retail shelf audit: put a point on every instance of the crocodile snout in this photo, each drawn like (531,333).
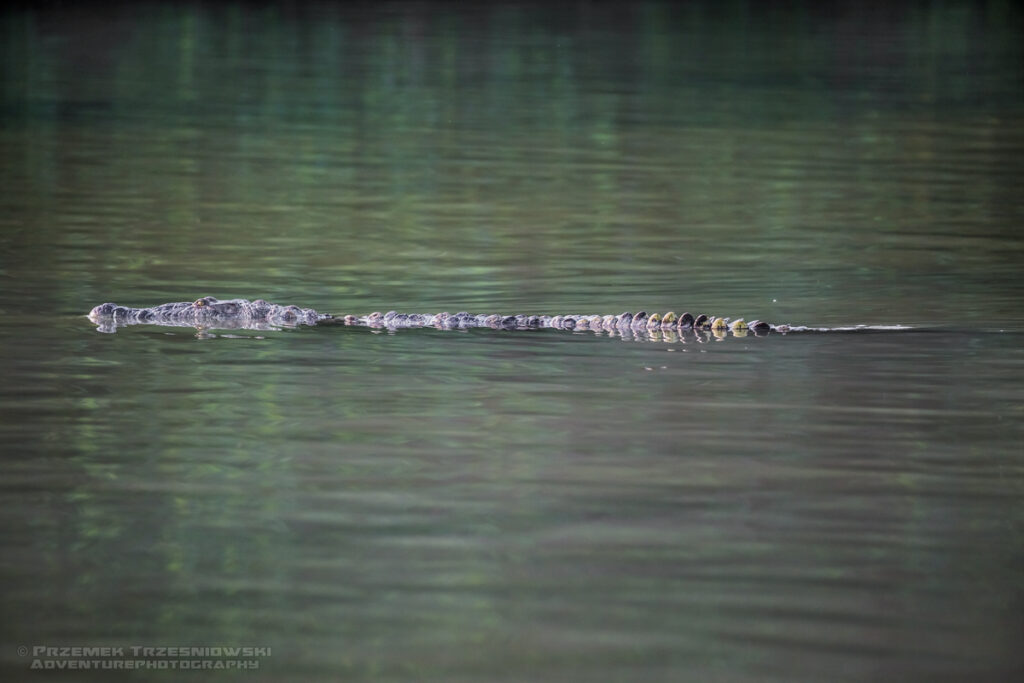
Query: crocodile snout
(107,310)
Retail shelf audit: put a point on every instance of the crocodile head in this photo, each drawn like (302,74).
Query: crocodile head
(206,312)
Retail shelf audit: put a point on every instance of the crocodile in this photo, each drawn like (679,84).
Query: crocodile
(212,313)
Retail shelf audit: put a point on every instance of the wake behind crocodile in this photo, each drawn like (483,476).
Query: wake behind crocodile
(210,313)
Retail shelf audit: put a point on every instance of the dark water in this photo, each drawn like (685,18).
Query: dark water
(487,506)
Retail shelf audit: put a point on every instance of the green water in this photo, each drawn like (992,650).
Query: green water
(529,506)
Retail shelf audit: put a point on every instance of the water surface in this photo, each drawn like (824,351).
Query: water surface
(489,506)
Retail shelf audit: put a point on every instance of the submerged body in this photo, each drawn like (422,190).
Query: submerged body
(210,312)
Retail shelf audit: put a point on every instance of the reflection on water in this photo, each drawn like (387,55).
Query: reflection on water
(457,504)
(531,505)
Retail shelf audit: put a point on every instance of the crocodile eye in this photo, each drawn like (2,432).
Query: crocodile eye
(199,303)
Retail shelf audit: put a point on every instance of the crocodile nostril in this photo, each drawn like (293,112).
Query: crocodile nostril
(103,309)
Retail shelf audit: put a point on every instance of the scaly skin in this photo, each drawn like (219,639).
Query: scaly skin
(210,312)
(623,321)
(207,312)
